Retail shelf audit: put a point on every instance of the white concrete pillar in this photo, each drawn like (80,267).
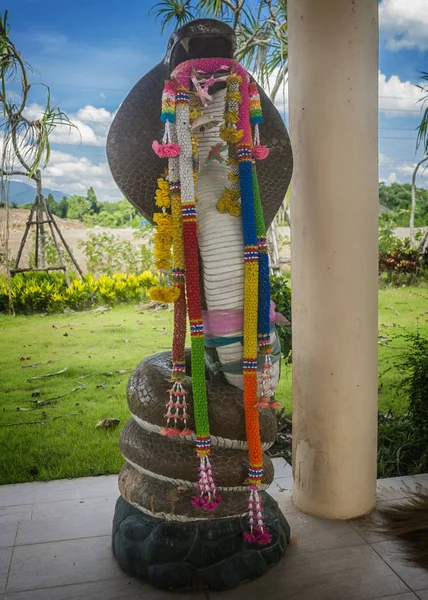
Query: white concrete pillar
(333,74)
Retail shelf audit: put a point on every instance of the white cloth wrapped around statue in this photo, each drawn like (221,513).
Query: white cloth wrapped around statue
(220,241)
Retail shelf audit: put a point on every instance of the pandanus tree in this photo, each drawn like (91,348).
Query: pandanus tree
(422,140)
(26,147)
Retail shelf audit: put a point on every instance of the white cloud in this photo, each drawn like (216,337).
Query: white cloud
(90,113)
(397,97)
(81,134)
(404,23)
(392,178)
(408,168)
(396,171)
(74,175)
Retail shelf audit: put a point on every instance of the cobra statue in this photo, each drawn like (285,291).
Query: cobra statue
(160,531)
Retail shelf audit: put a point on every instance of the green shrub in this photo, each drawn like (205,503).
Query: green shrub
(106,254)
(399,263)
(48,292)
(403,439)
(281,295)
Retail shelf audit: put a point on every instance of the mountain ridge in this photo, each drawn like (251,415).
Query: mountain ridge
(21,193)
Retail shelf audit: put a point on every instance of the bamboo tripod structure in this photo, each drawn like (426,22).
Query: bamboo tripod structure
(41,215)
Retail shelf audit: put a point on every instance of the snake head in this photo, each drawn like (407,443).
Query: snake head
(202,38)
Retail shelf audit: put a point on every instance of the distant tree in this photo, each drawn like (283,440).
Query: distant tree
(53,205)
(63,207)
(93,201)
(78,206)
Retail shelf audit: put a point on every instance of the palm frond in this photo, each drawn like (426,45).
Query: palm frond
(176,11)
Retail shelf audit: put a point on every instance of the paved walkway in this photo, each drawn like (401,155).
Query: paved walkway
(55,545)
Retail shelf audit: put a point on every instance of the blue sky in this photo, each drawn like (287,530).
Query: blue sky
(92,52)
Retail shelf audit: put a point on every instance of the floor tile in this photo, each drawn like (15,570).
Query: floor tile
(284,502)
(274,488)
(284,483)
(5,556)
(88,519)
(422,594)
(408,596)
(341,574)
(282,468)
(20,493)
(370,527)
(84,487)
(62,563)
(391,553)
(312,533)
(127,588)
(12,514)
(400,487)
(74,508)
(8,533)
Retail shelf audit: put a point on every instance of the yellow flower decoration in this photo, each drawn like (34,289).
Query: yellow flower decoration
(162,198)
(229,134)
(234,95)
(231,117)
(163,294)
(228,202)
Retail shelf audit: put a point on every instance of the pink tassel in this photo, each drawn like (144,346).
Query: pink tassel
(169,150)
(170,431)
(187,432)
(263,538)
(260,152)
(197,502)
(258,533)
(208,498)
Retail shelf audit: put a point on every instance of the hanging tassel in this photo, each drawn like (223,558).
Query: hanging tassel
(256,117)
(208,498)
(258,533)
(167,149)
(267,384)
(176,413)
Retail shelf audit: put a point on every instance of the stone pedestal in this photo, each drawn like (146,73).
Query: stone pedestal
(185,555)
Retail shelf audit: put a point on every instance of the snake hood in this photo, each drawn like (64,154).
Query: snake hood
(134,165)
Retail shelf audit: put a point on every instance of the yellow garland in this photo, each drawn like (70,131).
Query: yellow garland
(229,134)
(228,202)
(235,95)
(231,117)
(234,78)
(163,241)
(233,177)
(163,294)
(195,110)
(162,198)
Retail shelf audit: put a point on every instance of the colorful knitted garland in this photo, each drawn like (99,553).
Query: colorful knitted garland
(242,109)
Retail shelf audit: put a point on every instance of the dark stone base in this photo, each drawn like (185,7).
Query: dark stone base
(197,554)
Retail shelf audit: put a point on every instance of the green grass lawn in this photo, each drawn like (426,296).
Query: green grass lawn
(95,348)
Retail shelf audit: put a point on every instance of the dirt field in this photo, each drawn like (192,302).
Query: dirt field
(74,231)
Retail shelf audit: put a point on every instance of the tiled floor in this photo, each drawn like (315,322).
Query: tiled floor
(55,545)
